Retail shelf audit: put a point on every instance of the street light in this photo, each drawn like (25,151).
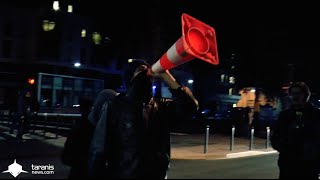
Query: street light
(77,64)
(31,81)
(190,81)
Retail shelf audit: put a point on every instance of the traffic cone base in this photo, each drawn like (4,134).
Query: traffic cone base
(197,41)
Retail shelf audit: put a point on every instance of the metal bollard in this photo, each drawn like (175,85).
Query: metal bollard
(34,124)
(232,138)
(251,139)
(268,137)
(57,126)
(207,139)
(45,124)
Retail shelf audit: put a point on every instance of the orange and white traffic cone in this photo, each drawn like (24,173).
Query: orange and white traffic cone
(198,40)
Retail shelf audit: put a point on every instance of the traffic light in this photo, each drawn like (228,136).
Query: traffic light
(31,81)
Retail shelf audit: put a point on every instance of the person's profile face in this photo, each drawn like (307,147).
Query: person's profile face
(138,70)
(297,96)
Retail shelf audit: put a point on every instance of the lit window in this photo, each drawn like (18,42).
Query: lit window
(51,25)
(45,25)
(234,105)
(222,77)
(232,80)
(130,60)
(70,8)
(48,26)
(96,37)
(55,5)
(230,91)
(83,33)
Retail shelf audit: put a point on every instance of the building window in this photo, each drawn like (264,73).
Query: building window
(230,91)
(58,91)
(222,77)
(232,80)
(55,5)
(83,33)
(48,26)
(96,37)
(7,48)
(70,8)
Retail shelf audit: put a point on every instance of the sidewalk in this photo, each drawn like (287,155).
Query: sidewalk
(183,146)
(32,145)
(191,146)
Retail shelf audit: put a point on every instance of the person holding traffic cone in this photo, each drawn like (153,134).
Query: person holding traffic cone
(138,134)
(137,141)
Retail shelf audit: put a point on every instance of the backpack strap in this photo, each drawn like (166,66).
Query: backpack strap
(104,96)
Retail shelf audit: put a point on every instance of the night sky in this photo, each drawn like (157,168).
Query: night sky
(266,37)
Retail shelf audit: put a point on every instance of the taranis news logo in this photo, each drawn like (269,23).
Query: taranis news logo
(16,169)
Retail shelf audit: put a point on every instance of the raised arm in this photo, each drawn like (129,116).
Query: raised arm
(183,103)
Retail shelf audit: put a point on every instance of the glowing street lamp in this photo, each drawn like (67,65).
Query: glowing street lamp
(77,64)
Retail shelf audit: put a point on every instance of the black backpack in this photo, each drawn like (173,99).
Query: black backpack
(77,145)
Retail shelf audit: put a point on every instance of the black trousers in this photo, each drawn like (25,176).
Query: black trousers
(297,169)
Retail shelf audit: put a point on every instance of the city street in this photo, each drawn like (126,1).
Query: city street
(188,159)
(205,86)
(253,167)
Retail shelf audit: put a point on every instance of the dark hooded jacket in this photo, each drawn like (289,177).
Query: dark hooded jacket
(296,136)
(135,146)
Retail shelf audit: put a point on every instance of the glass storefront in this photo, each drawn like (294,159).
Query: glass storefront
(64,91)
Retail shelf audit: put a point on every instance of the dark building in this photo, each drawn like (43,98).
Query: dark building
(216,87)
(55,51)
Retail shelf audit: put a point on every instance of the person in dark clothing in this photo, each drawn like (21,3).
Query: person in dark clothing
(296,136)
(27,109)
(14,114)
(76,147)
(137,143)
